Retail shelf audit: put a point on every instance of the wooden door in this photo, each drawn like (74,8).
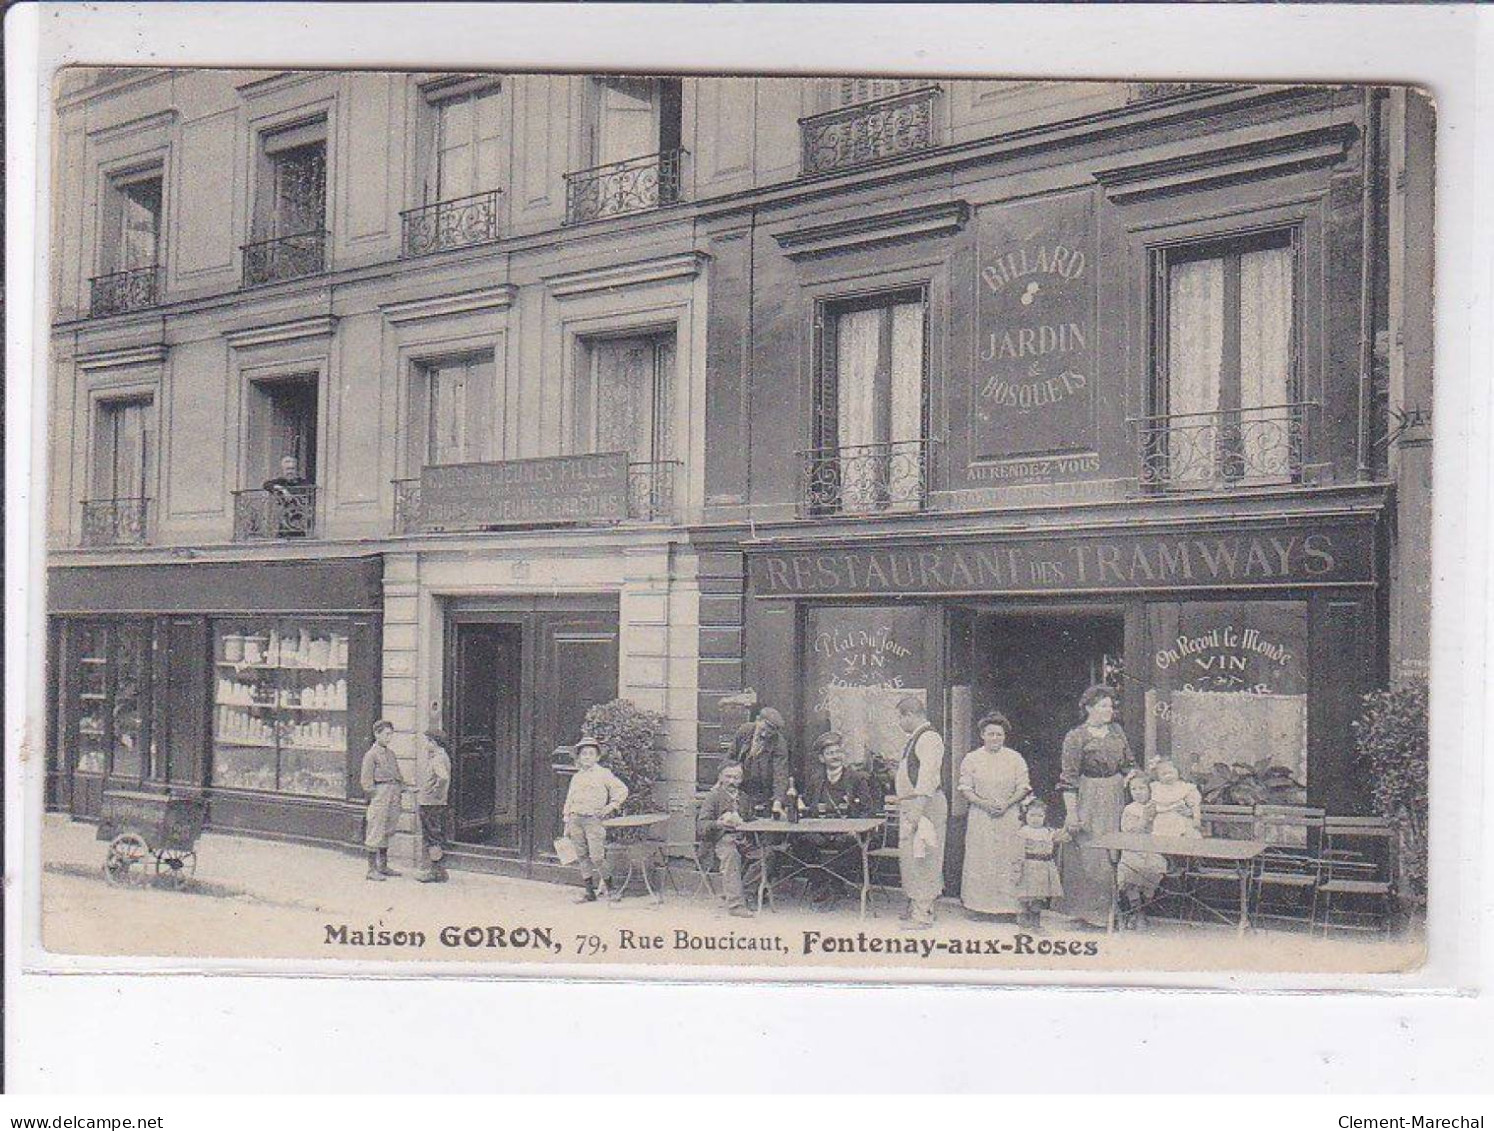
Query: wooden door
(484,697)
(577,669)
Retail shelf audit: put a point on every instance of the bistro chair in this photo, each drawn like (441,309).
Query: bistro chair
(1213,883)
(686,855)
(1291,868)
(1357,892)
(886,876)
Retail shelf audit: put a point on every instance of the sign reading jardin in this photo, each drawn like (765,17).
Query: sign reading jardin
(1338,554)
(1035,331)
(470,496)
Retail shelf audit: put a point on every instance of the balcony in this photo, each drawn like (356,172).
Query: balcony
(636,185)
(468,221)
(115,522)
(868,132)
(122,291)
(865,478)
(288,257)
(1213,451)
(270,515)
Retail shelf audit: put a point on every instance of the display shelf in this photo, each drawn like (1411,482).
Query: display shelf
(245,745)
(93,696)
(280,668)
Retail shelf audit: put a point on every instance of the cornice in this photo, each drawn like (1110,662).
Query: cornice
(157,120)
(120,358)
(489,299)
(843,235)
(320,326)
(575,283)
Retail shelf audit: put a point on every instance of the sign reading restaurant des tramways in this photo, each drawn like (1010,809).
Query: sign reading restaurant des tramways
(1324,554)
(468,496)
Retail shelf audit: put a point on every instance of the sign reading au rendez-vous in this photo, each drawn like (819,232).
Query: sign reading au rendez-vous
(1035,348)
(467,496)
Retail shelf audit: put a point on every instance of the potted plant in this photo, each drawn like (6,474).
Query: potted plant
(1392,740)
(1263,783)
(630,749)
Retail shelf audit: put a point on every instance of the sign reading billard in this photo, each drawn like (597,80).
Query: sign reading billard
(1276,556)
(1033,377)
(470,496)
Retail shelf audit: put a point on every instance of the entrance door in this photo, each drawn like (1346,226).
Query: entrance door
(1033,667)
(487,669)
(577,670)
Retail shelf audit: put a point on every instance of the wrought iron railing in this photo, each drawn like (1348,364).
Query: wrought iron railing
(122,291)
(276,512)
(465,222)
(115,522)
(868,132)
(651,490)
(635,185)
(865,478)
(288,257)
(1243,447)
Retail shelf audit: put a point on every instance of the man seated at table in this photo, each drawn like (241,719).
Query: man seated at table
(716,821)
(840,790)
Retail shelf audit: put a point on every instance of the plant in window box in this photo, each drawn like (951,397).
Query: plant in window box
(630,749)
(1391,745)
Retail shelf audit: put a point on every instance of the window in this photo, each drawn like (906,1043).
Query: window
(132,222)
(282,426)
(625,397)
(124,449)
(112,688)
(870,415)
(1225,381)
(456,393)
(634,117)
(292,197)
(463,142)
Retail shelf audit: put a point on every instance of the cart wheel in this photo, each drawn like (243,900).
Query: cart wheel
(178,864)
(125,851)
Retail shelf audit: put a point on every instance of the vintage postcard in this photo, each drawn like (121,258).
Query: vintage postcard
(907,528)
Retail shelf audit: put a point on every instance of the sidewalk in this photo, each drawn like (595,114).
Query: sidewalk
(264,899)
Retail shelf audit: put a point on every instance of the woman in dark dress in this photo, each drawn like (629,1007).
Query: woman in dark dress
(1092,778)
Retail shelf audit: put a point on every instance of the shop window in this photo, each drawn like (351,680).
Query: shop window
(1225,395)
(462,140)
(871,412)
(112,698)
(455,393)
(1227,690)
(280,705)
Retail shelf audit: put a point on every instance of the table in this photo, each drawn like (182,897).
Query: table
(1241,853)
(639,860)
(775,838)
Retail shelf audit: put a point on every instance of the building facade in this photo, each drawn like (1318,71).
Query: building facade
(473,400)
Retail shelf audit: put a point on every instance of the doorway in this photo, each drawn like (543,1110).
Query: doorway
(1032,666)
(520,680)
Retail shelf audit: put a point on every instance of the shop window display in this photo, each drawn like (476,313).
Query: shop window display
(280,714)
(112,680)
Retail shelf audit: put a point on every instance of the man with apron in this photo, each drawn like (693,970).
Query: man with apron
(382,782)
(922,812)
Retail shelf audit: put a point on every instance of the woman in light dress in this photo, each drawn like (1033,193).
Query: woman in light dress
(993,778)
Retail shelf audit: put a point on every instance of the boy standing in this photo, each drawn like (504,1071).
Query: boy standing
(596,793)
(434,788)
(382,782)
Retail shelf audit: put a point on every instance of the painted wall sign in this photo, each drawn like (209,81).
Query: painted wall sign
(1035,348)
(470,496)
(1329,554)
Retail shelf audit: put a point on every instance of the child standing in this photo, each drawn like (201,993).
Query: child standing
(596,793)
(1138,874)
(1039,881)
(435,785)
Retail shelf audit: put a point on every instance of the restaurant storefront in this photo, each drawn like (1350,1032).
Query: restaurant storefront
(255,683)
(1237,641)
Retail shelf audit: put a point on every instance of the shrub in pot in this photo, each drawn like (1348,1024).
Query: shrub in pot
(630,749)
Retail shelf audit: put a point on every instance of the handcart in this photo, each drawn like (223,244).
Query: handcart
(163,825)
